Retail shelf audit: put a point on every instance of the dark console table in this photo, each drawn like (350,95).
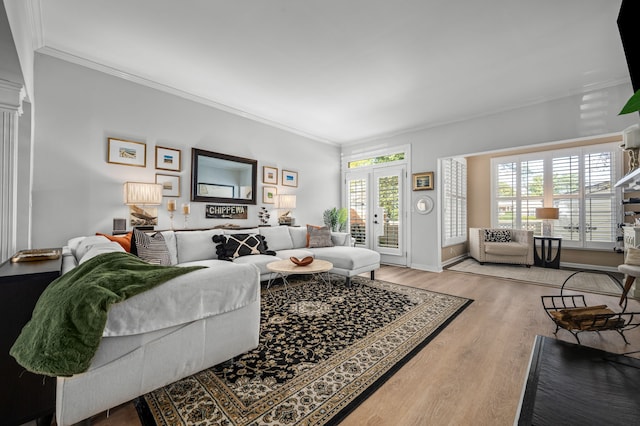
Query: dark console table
(543,251)
(24,396)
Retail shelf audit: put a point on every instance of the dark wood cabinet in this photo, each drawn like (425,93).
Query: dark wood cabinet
(24,396)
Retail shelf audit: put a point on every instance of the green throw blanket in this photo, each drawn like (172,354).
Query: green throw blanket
(67,323)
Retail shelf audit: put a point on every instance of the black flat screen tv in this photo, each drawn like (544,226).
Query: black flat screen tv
(628,24)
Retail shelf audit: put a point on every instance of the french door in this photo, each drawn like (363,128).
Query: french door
(375,199)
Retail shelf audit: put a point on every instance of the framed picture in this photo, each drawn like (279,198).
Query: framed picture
(168,159)
(422,181)
(128,153)
(269,175)
(170,185)
(289,178)
(269,194)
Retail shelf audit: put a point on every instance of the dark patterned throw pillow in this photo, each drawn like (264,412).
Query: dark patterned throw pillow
(151,248)
(497,235)
(232,246)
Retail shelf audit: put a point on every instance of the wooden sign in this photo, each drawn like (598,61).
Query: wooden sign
(225,212)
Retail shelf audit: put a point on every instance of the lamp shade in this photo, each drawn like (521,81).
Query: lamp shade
(286,201)
(547,213)
(142,193)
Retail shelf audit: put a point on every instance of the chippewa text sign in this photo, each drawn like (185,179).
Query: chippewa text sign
(225,212)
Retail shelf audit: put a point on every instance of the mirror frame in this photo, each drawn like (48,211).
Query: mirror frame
(196,153)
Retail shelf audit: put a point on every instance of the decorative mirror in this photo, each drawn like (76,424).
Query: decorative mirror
(424,205)
(221,178)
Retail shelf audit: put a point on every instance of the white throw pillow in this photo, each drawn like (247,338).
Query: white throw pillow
(277,237)
(101,248)
(170,241)
(85,245)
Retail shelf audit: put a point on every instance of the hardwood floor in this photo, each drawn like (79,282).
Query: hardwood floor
(472,373)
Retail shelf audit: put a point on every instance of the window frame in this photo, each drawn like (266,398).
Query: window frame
(548,196)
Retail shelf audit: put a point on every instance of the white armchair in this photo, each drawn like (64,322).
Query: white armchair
(501,245)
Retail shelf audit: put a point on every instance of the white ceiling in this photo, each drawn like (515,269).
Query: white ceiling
(349,70)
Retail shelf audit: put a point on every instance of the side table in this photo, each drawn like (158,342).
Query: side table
(25,396)
(543,253)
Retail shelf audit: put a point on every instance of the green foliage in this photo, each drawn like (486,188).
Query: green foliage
(335,219)
(376,160)
(632,105)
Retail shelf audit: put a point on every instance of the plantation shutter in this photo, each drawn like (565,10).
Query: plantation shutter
(454,210)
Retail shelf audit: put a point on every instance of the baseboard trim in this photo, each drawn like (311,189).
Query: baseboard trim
(428,268)
(455,260)
(584,266)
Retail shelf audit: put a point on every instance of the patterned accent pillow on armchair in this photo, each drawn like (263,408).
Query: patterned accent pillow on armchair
(497,235)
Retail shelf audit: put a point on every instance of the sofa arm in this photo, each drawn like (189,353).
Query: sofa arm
(476,243)
(341,239)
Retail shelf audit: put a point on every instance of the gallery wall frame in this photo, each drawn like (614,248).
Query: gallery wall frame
(269,194)
(168,159)
(289,178)
(128,153)
(270,175)
(170,184)
(422,181)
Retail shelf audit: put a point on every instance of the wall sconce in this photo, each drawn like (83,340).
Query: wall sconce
(547,214)
(138,195)
(286,202)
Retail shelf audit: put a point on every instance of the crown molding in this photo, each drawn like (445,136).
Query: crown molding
(65,56)
(33,9)
(11,96)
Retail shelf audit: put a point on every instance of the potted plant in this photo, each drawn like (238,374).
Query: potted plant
(632,105)
(335,219)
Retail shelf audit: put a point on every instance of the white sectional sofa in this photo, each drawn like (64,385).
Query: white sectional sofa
(189,323)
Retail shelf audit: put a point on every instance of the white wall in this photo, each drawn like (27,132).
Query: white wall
(561,119)
(76,192)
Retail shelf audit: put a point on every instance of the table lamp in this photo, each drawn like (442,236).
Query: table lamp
(547,214)
(138,195)
(286,202)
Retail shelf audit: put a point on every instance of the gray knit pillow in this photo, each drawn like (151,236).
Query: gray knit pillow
(319,236)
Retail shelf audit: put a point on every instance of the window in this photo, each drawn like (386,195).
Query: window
(454,195)
(579,181)
(376,160)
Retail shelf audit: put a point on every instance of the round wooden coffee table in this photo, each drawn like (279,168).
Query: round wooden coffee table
(283,268)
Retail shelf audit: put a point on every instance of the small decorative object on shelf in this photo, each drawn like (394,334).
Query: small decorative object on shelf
(35,255)
(264,216)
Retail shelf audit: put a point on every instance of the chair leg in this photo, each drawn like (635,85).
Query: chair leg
(627,286)
(373,275)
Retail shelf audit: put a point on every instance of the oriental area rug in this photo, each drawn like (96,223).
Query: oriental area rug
(323,349)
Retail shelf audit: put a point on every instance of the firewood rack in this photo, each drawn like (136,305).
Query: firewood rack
(571,312)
